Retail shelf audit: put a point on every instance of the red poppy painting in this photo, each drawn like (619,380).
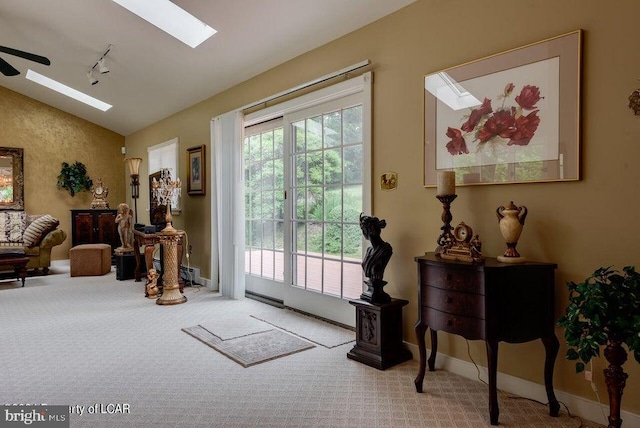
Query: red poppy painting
(511,117)
(514,125)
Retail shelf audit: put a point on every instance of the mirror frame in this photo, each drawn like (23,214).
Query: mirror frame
(17,156)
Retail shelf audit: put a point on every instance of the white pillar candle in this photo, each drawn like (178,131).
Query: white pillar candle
(446,183)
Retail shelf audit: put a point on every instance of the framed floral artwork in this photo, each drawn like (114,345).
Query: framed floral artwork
(196,170)
(512,117)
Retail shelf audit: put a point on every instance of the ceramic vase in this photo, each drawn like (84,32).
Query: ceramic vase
(511,220)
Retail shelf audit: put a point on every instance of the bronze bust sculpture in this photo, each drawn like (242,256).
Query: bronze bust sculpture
(375,259)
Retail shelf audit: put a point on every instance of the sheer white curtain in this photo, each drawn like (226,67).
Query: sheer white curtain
(227,211)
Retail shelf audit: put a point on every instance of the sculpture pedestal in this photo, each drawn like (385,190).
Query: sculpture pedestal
(379,334)
(171,289)
(125,265)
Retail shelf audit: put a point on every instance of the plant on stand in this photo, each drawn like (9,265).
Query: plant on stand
(604,310)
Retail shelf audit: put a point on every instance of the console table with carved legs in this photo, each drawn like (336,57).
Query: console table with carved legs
(494,302)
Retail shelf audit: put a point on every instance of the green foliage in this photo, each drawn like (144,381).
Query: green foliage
(338,237)
(74,178)
(327,169)
(6,193)
(604,307)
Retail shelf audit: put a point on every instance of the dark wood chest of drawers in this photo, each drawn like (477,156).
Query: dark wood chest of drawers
(492,301)
(95,226)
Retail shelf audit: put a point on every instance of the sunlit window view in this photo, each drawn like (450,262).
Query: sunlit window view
(264,204)
(326,162)
(327,193)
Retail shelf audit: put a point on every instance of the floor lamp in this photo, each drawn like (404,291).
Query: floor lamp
(134,168)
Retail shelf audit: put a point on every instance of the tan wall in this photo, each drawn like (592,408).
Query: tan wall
(569,223)
(50,137)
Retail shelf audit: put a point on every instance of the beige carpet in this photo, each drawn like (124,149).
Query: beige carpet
(230,327)
(307,327)
(86,340)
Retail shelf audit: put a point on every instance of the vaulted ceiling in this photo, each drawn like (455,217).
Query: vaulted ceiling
(153,75)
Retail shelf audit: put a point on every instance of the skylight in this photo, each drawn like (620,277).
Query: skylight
(170,18)
(450,92)
(66,90)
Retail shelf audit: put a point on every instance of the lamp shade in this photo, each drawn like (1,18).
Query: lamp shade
(134,165)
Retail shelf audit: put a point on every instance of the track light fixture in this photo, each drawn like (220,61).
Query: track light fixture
(101,65)
(92,78)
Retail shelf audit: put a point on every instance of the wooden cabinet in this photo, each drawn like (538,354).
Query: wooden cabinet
(94,226)
(493,302)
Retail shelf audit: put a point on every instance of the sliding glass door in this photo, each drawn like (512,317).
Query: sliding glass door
(307,181)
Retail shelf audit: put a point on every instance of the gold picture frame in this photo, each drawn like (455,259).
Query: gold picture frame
(196,170)
(11,178)
(513,117)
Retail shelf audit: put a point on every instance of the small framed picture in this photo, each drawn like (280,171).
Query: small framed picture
(196,170)
(389,181)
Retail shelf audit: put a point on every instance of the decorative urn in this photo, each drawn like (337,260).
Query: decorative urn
(511,221)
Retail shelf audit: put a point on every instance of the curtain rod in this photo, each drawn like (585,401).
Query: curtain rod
(341,72)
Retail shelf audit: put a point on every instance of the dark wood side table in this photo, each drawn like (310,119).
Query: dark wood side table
(18,259)
(493,302)
(148,241)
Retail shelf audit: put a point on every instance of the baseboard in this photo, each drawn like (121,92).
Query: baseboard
(264,299)
(579,406)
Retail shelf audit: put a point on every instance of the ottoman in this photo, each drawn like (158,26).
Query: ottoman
(90,259)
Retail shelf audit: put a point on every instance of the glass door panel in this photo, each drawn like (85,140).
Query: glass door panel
(264,209)
(327,190)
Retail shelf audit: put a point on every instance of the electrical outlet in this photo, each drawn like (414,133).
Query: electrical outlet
(190,249)
(588,375)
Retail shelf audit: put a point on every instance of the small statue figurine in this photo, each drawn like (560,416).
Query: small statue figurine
(375,259)
(152,284)
(123,220)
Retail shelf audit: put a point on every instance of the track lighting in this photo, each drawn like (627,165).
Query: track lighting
(92,78)
(101,65)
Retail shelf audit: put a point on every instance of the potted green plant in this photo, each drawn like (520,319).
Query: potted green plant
(74,178)
(604,310)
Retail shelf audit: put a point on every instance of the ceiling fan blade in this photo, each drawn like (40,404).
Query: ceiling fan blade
(26,55)
(7,69)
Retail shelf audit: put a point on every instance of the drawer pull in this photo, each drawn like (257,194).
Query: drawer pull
(449,300)
(448,277)
(449,322)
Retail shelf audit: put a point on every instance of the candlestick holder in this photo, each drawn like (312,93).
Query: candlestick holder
(445,239)
(166,191)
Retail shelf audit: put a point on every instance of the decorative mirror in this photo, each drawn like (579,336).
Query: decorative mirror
(11,179)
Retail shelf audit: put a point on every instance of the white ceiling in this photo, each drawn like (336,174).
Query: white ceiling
(153,75)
